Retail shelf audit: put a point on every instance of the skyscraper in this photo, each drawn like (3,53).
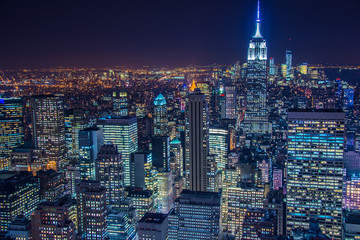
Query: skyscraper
(122,132)
(52,220)
(256,114)
(120,103)
(161,153)
(90,142)
(230,102)
(92,210)
(49,129)
(11,128)
(272,67)
(218,145)
(51,185)
(314,169)
(288,62)
(19,195)
(110,173)
(75,120)
(197,142)
(160,116)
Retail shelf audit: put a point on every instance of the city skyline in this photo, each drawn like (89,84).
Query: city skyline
(201,33)
(261,149)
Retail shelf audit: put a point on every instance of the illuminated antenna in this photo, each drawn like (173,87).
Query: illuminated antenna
(257,32)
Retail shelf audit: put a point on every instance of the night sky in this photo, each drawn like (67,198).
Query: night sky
(174,33)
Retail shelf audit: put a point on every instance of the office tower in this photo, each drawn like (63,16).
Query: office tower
(120,226)
(352,193)
(160,116)
(176,157)
(283,70)
(303,68)
(207,89)
(19,229)
(110,172)
(314,169)
(91,210)
(196,216)
(161,153)
(258,224)
(218,145)
(53,221)
(351,227)
(153,226)
(197,142)
(164,198)
(143,201)
(230,102)
(75,120)
(122,132)
(212,174)
(277,178)
(240,197)
(272,67)
(72,178)
(49,129)
(19,195)
(120,103)
(288,62)
(12,131)
(256,114)
(348,98)
(51,185)
(142,173)
(90,142)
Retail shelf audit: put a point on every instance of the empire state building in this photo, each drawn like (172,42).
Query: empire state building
(256,114)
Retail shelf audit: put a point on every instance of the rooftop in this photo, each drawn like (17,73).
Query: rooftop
(153,218)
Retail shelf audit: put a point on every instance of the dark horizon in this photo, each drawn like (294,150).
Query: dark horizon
(163,33)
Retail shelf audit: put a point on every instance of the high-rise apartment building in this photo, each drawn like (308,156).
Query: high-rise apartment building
(314,169)
(256,114)
(48,130)
(122,132)
(91,210)
(52,184)
(53,221)
(110,172)
(11,128)
(160,116)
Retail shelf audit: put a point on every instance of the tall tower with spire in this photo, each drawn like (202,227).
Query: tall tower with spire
(256,114)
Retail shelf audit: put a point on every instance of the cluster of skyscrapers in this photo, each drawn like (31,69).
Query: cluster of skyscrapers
(212,160)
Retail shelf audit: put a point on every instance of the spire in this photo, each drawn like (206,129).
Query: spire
(193,86)
(258,21)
